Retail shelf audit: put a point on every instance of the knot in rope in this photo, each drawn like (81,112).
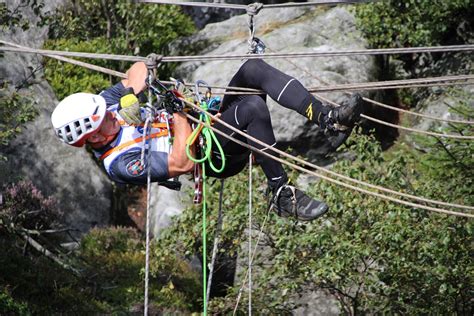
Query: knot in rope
(153,60)
(254,8)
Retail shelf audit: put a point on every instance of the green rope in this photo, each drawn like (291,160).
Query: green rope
(204,238)
(209,138)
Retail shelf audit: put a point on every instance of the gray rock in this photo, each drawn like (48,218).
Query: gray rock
(317,304)
(69,174)
(289,30)
(166,203)
(441,105)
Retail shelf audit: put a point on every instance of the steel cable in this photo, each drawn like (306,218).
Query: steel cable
(368,86)
(370,118)
(421,199)
(386,84)
(359,52)
(244,7)
(322,169)
(296,167)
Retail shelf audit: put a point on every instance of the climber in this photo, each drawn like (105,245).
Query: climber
(111,124)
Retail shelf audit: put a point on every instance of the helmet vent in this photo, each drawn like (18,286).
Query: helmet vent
(69,137)
(87,123)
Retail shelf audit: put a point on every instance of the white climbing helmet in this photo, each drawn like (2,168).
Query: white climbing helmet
(77,116)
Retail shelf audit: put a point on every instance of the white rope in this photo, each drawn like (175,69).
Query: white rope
(356,52)
(250,235)
(145,146)
(216,242)
(260,234)
(410,196)
(294,166)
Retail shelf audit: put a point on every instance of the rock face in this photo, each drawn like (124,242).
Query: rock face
(287,30)
(205,15)
(282,30)
(67,173)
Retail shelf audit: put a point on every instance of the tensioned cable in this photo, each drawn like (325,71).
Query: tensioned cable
(379,51)
(319,168)
(146,147)
(122,75)
(326,89)
(74,62)
(463,137)
(216,241)
(416,130)
(250,235)
(244,7)
(319,89)
(294,166)
(392,84)
(320,97)
(418,114)
(386,84)
(434,82)
(260,234)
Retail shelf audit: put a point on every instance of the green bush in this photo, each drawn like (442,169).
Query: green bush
(113,27)
(66,78)
(370,255)
(410,23)
(9,306)
(15,112)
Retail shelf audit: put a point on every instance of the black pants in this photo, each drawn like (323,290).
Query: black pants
(249,113)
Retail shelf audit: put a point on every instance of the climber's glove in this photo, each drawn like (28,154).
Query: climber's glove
(129,107)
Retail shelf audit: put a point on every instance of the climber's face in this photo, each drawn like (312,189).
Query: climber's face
(106,133)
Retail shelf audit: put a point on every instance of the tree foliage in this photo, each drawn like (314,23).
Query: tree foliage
(412,23)
(369,255)
(13,17)
(107,266)
(417,23)
(114,27)
(15,112)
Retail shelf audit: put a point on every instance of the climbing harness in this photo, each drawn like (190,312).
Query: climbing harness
(203,137)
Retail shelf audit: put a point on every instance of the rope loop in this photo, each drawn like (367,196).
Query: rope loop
(205,136)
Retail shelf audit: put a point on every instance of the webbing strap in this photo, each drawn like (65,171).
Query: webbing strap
(132,142)
(154,125)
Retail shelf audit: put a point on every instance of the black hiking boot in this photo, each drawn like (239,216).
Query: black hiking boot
(343,117)
(340,121)
(288,201)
